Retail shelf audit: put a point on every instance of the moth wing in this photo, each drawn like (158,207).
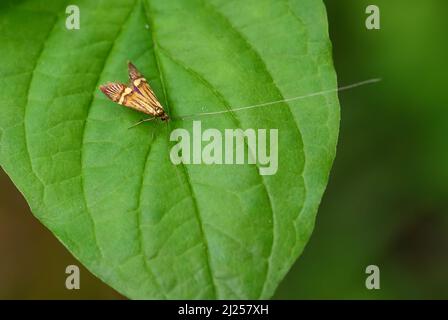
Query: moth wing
(126,96)
(142,86)
(113,90)
(134,74)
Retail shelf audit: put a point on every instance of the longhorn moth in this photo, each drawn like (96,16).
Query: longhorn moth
(138,95)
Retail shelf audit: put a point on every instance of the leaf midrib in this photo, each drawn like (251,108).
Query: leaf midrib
(184,169)
(83,135)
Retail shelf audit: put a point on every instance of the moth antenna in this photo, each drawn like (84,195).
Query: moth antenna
(351,86)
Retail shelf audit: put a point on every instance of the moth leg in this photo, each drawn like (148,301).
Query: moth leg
(141,121)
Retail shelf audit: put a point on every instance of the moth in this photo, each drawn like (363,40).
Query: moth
(138,95)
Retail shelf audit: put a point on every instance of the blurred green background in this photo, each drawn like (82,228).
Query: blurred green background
(386,203)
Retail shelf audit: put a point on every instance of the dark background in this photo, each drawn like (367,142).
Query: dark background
(387,199)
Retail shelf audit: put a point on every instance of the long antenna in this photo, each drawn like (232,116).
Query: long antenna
(351,86)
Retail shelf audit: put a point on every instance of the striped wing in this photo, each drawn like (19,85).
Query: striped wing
(140,84)
(128,97)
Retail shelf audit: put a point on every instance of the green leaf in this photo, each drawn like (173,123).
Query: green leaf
(111,195)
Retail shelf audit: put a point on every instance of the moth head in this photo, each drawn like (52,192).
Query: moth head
(164,117)
(113,90)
